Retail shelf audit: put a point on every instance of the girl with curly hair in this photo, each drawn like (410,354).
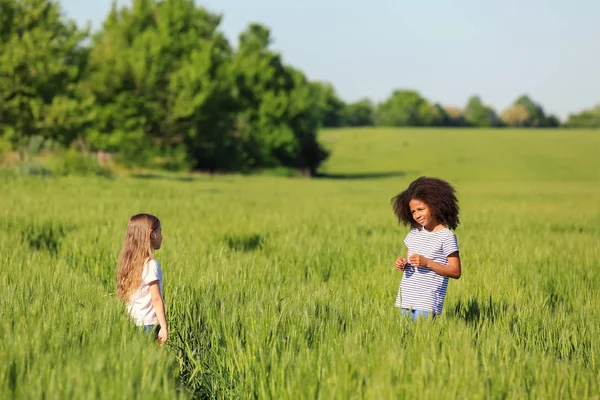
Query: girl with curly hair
(430,208)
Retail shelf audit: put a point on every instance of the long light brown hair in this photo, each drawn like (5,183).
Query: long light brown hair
(136,251)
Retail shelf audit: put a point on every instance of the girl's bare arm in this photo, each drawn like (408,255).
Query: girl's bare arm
(452,270)
(158,304)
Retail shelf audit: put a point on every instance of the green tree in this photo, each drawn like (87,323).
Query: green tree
(304,121)
(456,117)
(585,119)
(479,115)
(360,113)
(408,108)
(552,121)
(435,115)
(262,87)
(332,113)
(41,61)
(159,73)
(279,110)
(536,115)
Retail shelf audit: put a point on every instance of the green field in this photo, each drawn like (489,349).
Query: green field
(284,288)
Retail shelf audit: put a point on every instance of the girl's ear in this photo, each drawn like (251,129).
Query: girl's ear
(152,235)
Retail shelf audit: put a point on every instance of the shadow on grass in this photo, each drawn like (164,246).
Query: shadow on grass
(362,175)
(40,235)
(246,242)
(475,310)
(163,177)
(333,176)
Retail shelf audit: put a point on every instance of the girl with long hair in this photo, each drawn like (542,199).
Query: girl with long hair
(139,275)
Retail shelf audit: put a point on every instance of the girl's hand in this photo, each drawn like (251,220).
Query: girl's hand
(400,263)
(417,260)
(162,336)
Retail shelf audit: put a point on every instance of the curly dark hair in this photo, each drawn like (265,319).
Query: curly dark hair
(439,196)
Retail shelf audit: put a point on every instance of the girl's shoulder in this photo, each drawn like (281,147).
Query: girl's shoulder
(151,270)
(445,231)
(445,234)
(152,264)
(411,232)
(410,235)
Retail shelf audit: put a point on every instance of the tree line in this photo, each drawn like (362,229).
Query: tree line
(159,85)
(407,108)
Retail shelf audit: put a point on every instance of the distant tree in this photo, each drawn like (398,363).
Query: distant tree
(360,113)
(303,121)
(552,121)
(262,85)
(536,115)
(479,115)
(515,116)
(279,110)
(455,115)
(41,60)
(159,73)
(440,116)
(332,108)
(431,114)
(585,119)
(407,108)
(493,116)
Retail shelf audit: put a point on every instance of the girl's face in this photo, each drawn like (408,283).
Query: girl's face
(422,214)
(156,238)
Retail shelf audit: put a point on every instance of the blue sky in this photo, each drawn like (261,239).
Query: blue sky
(446,49)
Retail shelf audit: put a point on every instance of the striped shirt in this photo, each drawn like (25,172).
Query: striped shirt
(422,288)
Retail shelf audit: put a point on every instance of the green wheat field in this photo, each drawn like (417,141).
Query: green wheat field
(284,288)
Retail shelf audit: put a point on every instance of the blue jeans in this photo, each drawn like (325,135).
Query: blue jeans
(152,329)
(415,314)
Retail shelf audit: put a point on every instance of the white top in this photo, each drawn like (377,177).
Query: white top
(421,288)
(140,303)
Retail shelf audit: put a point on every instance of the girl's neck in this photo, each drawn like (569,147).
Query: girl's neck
(434,227)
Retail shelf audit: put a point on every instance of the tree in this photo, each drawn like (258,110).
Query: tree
(455,115)
(262,87)
(480,115)
(360,113)
(41,61)
(159,74)
(439,116)
(552,121)
(407,108)
(279,111)
(515,116)
(332,108)
(585,119)
(303,114)
(535,112)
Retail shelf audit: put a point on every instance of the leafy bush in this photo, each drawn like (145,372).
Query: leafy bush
(73,162)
